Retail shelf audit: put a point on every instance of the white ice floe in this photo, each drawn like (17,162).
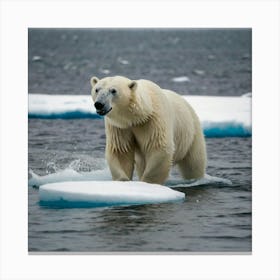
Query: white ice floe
(105,193)
(69,188)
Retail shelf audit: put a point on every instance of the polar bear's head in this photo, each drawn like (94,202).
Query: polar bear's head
(112,94)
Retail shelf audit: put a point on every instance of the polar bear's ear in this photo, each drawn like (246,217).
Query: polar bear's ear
(94,81)
(132,85)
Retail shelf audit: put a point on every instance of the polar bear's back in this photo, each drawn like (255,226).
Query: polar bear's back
(183,108)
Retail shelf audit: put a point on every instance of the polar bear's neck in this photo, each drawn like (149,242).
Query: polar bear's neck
(138,112)
(140,107)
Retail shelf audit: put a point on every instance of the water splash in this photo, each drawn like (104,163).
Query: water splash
(70,174)
(206,180)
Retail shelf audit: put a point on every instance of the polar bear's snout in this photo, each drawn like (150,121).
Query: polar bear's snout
(102,104)
(98,105)
(101,108)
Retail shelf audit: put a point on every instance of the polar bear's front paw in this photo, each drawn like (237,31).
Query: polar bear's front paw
(122,179)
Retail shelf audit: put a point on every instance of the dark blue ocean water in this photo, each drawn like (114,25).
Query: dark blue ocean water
(213,218)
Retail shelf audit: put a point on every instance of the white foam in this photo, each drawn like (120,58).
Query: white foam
(105,193)
(206,180)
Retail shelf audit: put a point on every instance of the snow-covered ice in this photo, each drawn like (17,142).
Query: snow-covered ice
(105,193)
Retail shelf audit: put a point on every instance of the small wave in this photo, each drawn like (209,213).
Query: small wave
(206,180)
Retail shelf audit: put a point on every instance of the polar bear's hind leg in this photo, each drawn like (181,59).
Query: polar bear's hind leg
(193,165)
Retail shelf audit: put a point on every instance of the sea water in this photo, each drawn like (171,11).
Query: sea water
(215,217)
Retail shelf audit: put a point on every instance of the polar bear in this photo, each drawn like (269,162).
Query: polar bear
(150,128)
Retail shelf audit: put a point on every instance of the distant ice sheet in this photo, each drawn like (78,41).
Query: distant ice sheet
(105,193)
(60,106)
(220,116)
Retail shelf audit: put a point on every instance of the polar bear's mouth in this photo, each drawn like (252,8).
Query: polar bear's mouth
(103,112)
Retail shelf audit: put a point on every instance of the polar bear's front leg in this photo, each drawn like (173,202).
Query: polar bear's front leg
(158,164)
(121,165)
(119,152)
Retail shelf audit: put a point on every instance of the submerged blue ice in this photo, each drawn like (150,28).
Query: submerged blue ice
(220,116)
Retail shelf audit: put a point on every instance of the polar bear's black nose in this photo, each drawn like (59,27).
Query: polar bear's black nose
(98,105)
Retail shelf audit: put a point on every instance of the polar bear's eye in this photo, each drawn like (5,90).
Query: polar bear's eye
(97,89)
(113,91)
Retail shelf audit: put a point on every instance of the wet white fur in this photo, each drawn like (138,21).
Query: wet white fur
(150,128)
